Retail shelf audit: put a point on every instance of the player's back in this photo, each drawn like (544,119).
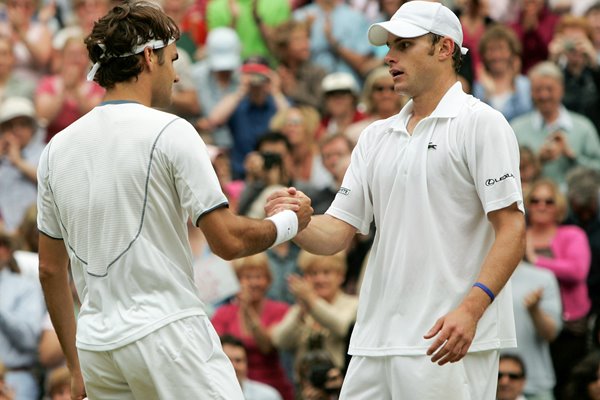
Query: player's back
(122,221)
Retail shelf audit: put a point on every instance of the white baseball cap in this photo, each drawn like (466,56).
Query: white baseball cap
(14,107)
(337,81)
(418,18)
(223,49)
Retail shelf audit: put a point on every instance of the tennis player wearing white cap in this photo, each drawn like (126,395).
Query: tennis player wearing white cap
(441,181)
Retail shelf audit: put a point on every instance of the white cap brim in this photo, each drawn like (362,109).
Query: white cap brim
(378,33)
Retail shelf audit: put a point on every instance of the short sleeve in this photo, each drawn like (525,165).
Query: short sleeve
(352,203)
(493,160)
(47,218)
(195,179)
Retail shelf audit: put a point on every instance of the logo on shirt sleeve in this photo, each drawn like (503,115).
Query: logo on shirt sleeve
(493,181)
(344,191)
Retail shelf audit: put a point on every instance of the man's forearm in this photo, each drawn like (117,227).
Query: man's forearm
(60,307)
(505,254)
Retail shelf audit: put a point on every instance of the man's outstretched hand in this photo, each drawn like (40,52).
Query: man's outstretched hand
(290,199)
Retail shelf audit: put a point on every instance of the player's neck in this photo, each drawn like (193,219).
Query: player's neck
(428,100)
(126,91)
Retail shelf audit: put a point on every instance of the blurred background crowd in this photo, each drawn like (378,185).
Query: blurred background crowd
(281,90)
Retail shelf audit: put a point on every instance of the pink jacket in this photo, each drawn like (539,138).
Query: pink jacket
(570,264)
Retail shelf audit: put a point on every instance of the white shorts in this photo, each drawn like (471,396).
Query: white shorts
(182,360)
(475,377)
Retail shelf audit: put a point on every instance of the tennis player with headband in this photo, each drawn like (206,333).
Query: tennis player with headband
(115,191)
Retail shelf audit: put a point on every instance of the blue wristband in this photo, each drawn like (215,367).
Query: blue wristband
(485,289)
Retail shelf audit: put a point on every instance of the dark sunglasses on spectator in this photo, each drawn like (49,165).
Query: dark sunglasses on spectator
(548,202)
(513,376)
(381,88)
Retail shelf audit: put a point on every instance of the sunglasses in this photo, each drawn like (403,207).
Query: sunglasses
(513,376)
(548,202)
(381,88)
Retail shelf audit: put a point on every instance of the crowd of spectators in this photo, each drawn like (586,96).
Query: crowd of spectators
(281,91)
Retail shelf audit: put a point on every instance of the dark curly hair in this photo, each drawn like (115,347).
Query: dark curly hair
(126,26)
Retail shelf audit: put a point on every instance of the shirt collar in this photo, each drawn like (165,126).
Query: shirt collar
(448,107)
(564,122)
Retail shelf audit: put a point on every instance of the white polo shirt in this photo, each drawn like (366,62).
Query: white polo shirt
(429,193)
(117,186)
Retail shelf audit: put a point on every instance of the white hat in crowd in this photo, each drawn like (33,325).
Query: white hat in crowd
(14,107)
(223,49)
(417,18)
(338,81)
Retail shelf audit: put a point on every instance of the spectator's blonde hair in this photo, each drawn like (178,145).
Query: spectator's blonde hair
(573,21)
(368,89)
(560,201)
(258,261)
(310,120)
(307,261)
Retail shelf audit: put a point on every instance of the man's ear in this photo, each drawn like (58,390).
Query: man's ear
(446,48)
(149,60)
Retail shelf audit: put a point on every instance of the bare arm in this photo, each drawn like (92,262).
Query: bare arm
(455,331)
(324,234)
(227,105)
(54,278)
(544,324)
(231,236)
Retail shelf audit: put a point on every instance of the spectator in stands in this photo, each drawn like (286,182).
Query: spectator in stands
(564,250)
(64,97)
(341,100)
(323,314)
(529,168)
(561,138)
(537,306)
(250,317)
(300,77)
(86,12)
(253,390)
(583,194)
(584,383)
(378,99)
(253,20)
(593,17)
(511,378)
(248,110)
(573,50)
(534,27)
(215,77)
(338,36)
(31,38)
(319,378)
(21,312)
(500,83)
(299,125)
(19,156)
(10,84)
(335,154)
(474,19)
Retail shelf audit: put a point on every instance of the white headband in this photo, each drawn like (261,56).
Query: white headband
(154,44)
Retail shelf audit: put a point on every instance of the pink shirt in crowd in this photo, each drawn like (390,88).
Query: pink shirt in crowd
(571,264)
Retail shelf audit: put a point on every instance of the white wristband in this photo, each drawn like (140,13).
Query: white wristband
(286,223)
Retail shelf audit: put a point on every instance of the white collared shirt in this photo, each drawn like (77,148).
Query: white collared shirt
(429,194)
